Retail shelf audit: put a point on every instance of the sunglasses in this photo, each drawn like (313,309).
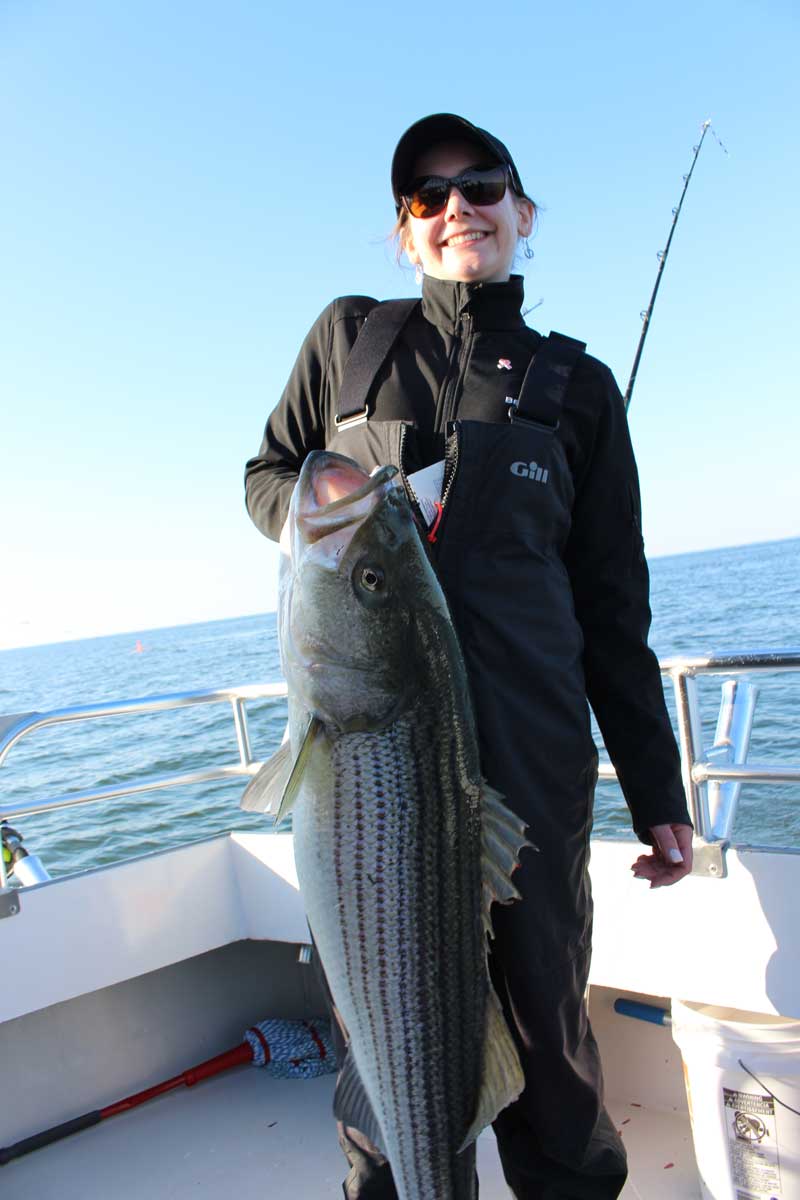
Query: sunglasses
(428,196)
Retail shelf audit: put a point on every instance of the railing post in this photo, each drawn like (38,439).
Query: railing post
(242,734)
(731,744)
(690,739)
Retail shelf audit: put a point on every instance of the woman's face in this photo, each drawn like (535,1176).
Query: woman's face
(446,246)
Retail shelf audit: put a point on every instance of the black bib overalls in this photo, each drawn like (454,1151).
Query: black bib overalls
(498,553)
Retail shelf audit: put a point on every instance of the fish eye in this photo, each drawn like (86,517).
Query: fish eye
(372,578)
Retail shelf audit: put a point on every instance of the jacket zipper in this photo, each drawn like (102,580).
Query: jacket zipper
(451,456)
(455,380)
(452,427)
(411,495)
(452,441)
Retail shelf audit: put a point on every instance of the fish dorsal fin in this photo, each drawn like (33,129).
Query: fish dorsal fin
(351,1104)
(274,788)
(503,1080)
(502,838)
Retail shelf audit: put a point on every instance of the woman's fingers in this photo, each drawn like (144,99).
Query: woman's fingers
(671,856)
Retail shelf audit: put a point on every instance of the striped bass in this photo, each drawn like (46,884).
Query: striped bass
(400,846)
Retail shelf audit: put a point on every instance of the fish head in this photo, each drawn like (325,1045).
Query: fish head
(348,594)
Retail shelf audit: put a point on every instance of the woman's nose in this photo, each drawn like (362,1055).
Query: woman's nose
(456,205)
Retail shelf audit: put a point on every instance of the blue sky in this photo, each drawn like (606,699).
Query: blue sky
(186,185)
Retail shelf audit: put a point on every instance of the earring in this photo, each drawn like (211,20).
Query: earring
(529,251)
(419,274)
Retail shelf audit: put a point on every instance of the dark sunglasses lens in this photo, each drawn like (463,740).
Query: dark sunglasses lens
(484,187)
(429,198)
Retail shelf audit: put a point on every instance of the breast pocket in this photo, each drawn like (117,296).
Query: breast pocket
(525,486)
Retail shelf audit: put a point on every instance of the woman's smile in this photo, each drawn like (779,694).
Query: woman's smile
(453,244)
(464,239)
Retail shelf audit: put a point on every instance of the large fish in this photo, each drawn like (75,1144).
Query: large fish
(400,847)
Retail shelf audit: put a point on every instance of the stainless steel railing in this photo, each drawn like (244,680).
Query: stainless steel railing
(712,777)
(19,725)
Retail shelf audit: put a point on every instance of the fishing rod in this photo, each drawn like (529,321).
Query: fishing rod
(662,262)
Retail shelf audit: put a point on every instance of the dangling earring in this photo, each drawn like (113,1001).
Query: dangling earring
(419,274)
(529,251)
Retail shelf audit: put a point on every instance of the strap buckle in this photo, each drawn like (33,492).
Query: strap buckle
(347,422)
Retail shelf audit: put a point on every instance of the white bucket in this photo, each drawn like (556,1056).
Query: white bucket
(746,1138)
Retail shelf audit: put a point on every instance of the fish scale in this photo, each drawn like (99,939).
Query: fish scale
(386,912)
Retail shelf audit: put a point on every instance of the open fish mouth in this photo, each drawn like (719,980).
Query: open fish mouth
(334,494)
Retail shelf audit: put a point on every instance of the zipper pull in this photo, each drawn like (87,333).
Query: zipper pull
(434,528)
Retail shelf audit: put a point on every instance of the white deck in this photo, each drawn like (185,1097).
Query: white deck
(248,1136)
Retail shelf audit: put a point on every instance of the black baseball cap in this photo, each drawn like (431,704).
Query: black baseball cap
(444,127)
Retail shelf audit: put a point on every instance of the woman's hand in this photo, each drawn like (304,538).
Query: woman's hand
(671,857)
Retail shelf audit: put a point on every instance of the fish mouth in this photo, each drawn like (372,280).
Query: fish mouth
(332,481)
(334,494)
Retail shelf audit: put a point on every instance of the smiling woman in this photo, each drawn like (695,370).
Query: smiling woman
(535,535)
(473,236)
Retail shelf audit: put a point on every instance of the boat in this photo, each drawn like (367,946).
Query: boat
(122,976)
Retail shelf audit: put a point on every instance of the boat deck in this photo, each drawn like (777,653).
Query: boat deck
(248,1135)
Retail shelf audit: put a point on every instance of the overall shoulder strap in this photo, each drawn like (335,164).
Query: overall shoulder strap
(376,338)
(546,381)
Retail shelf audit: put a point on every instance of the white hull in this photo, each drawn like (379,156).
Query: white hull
(121,977)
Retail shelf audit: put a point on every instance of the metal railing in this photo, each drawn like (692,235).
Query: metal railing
(19,725)
(712,778)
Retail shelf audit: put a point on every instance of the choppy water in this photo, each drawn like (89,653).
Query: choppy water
(744,598)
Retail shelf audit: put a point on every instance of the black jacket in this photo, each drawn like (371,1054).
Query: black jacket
(462,354)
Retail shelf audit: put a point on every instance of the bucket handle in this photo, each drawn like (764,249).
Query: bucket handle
(766,1089)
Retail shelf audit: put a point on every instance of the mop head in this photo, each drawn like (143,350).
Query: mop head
(293,1049)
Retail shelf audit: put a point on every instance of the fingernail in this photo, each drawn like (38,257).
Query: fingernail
(675,855)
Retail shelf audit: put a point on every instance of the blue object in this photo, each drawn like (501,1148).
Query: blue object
(643,1012)
(293,1049)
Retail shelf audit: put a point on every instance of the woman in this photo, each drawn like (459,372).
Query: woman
(539,551)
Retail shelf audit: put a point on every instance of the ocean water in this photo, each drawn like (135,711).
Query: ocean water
(742,598)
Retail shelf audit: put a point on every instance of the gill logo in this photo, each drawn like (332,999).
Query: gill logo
(530,470)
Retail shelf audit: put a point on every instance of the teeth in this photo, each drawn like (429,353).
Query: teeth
(461,238)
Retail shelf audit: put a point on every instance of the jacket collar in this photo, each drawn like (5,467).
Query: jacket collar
(491,305)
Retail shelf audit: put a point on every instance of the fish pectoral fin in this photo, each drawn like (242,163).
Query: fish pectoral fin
(351,1104)
(502,838)
(313,729)
(265,790)
(503,1080)
(282,775)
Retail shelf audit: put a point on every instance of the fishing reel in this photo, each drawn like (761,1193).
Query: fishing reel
(25,868)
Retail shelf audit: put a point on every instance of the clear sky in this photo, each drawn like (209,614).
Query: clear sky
(187,184)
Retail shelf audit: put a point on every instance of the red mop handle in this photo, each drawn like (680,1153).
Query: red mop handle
(231,1058)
